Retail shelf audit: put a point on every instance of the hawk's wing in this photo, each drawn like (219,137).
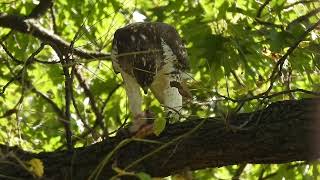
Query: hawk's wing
(138,50)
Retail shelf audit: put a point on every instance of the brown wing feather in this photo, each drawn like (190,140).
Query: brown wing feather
(139,50)
(173,40)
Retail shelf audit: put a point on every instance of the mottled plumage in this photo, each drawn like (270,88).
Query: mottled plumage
(150,55)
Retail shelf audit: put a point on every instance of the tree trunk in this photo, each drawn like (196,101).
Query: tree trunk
(285,131)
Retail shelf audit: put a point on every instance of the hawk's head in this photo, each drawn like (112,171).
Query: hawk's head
(141,50)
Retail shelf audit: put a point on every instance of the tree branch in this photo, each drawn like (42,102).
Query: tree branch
(4,47)
(278,68)
(300,2)
(92,102)
(283,132)
(23,69)
(239,172)
(29,26)
(68,97)
(259,13)
(304,17)
(41,8)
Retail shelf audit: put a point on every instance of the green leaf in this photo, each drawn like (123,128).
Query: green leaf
(143,176)
(159,125)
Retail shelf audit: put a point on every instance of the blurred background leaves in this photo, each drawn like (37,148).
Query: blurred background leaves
(233,48)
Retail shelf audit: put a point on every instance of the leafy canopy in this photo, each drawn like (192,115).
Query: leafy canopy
(235,50)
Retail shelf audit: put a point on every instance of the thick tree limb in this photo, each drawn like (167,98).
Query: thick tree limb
(29,26)
(283,132)
(41,8)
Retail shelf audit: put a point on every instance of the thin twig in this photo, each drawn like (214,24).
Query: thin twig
(234,74)
(239,171)
(64,59)
(46,62)
(23,69)
(304,17)
(68,94)
(68,114)
(75,106)
(278,68)
(177,139)
(53,105)
(264,96)
(21,62)
(109,97)
(259,13)
(53,17)
(92,101)
(266,23)
(10,54)
(120,127)
(299,2)
(277,71)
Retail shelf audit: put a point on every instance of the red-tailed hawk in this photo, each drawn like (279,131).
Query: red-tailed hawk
(150,55)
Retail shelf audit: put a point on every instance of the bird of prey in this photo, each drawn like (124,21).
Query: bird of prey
(151,56)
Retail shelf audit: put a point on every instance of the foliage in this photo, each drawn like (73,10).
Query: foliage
(234,49)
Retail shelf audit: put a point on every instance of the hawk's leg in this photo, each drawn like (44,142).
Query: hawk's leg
(172,102)
(135,101)
(167,95)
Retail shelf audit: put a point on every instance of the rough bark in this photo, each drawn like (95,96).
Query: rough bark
(283,132)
